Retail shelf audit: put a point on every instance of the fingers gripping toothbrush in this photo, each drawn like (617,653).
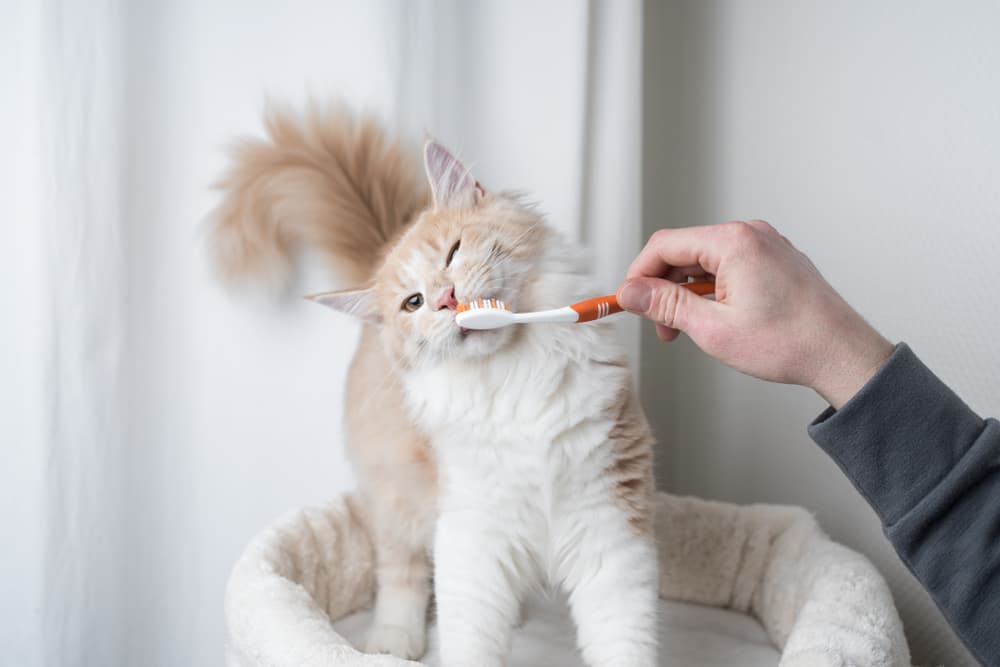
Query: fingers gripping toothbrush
(493,314)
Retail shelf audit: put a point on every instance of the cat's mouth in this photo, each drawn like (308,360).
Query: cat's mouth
(464,333)
(480,334)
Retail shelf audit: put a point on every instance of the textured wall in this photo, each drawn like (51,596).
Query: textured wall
(869,133)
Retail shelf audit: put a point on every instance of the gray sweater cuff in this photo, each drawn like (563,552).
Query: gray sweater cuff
(899,436)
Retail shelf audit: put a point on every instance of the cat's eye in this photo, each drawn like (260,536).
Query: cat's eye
(413,302)
(451,253)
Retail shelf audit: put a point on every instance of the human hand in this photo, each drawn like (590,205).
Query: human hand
(774,317)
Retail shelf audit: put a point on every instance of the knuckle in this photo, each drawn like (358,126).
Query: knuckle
(666,306)
(742,229)
(659,236)
(745,234)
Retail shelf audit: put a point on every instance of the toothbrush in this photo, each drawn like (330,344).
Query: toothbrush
(493,313)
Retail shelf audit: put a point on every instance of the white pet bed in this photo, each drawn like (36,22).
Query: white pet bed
(750,586)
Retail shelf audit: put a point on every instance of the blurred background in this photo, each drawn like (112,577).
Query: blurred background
(151,422)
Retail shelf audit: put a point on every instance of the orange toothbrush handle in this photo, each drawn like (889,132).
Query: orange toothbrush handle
(596,308)
(701,287)
(602,306)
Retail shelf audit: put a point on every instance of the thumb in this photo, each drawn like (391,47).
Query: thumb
(665,302)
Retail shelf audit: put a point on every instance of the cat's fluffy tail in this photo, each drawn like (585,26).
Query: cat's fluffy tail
(326,180)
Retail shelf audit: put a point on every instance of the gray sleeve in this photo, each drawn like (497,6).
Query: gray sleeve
(930,467)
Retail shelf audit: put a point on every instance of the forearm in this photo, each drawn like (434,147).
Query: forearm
(930,467)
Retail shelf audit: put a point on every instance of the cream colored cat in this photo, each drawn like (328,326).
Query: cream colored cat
(520,454)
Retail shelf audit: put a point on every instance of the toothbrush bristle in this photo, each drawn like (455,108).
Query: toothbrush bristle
(482,304)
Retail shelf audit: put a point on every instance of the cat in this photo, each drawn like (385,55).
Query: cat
(519,457)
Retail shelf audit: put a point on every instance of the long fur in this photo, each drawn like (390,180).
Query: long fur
(326,180)
(521,454)
(331,181)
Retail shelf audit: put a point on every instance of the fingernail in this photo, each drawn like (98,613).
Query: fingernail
(636,297)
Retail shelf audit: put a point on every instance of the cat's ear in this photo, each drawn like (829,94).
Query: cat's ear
(451,183)
(357,302)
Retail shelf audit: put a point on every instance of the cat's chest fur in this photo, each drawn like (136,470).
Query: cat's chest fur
(532,419)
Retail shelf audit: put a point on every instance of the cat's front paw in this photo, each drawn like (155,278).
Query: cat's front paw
(401,642)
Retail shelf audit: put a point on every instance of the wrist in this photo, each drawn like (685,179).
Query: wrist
(853,361)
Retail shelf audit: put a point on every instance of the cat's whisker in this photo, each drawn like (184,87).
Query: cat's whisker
(513,243)
(512,276)
(510,244)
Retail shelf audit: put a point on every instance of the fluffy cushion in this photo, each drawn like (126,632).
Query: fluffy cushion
(819,603)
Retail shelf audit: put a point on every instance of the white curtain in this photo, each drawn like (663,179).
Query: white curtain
(150,422)
(64,339)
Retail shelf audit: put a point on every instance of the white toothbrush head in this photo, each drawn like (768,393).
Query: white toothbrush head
(484,314)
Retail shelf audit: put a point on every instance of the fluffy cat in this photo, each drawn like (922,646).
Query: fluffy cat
(520,455)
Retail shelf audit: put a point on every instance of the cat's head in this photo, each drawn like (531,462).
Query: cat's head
(470,243)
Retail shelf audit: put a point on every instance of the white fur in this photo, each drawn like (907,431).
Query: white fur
(522,444)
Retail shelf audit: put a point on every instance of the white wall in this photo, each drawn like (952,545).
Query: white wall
(869,134)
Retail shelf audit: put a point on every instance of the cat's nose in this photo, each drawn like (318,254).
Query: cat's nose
(447,299)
